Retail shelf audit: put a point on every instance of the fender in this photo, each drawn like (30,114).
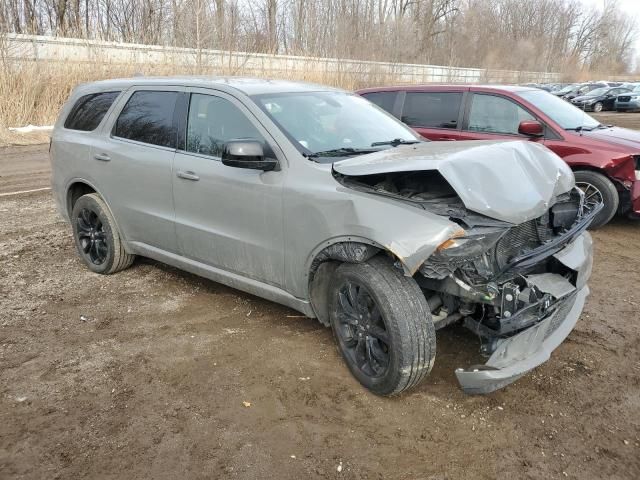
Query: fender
(92,185)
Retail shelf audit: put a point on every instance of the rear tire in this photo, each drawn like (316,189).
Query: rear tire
(382,325)
(96,236)
(595,185)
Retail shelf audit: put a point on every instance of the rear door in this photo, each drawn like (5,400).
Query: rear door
(226,217)
(491,116)
(435,115)
(133,159)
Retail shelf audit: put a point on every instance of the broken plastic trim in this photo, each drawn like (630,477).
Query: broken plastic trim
(553,246)
(521,353)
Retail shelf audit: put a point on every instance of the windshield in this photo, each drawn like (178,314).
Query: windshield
(598,91)
(563,113)
(325,122)
(636,89)
(566,89)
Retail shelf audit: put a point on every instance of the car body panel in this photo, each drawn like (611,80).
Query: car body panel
(513,182)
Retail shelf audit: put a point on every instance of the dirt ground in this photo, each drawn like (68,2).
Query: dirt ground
(143,374)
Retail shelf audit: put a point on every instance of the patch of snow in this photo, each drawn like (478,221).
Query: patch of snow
(31,128)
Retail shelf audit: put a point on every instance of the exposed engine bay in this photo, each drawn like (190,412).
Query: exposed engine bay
(498,277)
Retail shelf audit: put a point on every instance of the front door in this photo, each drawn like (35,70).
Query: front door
(226,217)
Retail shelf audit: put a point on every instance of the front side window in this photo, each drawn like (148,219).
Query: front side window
(319,122)
(89,110)
(148,117)
(493,114)
(213,121)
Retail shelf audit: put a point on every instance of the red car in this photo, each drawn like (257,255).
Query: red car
(605,159)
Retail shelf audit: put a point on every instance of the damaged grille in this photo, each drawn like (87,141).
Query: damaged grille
(523,238)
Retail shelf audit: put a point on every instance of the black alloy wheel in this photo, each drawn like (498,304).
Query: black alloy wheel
(92,237)
(382,325)
(97,237)
(362,330)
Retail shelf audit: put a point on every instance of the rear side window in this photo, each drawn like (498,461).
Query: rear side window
(148,117)
(384,100)
(432,109)
(89,111)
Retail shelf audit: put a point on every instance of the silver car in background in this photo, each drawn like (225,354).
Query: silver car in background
(317,199)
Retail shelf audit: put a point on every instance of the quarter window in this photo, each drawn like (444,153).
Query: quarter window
(89,110)
(432,109)
(493,114)
(148,117)
(213,121)
(384,100)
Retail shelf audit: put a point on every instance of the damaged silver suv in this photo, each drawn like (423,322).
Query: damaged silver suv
(317,199)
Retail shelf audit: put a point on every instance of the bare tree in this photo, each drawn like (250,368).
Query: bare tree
(558,35)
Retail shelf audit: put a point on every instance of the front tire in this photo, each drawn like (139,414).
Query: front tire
(597,107)
(382,325)
(597,187)
(96,236)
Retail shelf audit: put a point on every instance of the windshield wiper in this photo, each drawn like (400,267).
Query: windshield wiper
(395,142)
(341,152)
(599,126)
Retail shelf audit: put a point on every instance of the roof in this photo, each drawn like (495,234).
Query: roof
(246,85)
(451,86)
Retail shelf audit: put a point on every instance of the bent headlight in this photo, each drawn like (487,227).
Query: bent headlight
(472,245)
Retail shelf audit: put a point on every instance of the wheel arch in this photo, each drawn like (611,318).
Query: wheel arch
(326,257)
(79,187)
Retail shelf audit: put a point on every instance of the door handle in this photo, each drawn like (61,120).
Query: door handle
(103,157)
(188,175)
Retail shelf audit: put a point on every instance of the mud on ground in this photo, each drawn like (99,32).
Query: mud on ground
(143,374)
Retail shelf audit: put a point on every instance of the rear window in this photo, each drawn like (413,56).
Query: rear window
(384,100)
(432,109)
(89,111)
(148,117)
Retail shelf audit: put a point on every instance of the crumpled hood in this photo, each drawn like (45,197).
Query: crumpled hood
(620,136)
(512,181)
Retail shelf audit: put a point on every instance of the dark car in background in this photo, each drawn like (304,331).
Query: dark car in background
(599,99)
(605,159)
(583,89)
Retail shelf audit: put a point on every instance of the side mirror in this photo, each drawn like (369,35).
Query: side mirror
(531,128)
(247,154)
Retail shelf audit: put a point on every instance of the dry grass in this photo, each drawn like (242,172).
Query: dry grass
(33,92)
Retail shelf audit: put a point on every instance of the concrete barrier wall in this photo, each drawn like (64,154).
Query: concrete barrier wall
(54,49)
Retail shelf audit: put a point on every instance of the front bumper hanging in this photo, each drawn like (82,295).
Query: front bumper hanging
(517,355)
